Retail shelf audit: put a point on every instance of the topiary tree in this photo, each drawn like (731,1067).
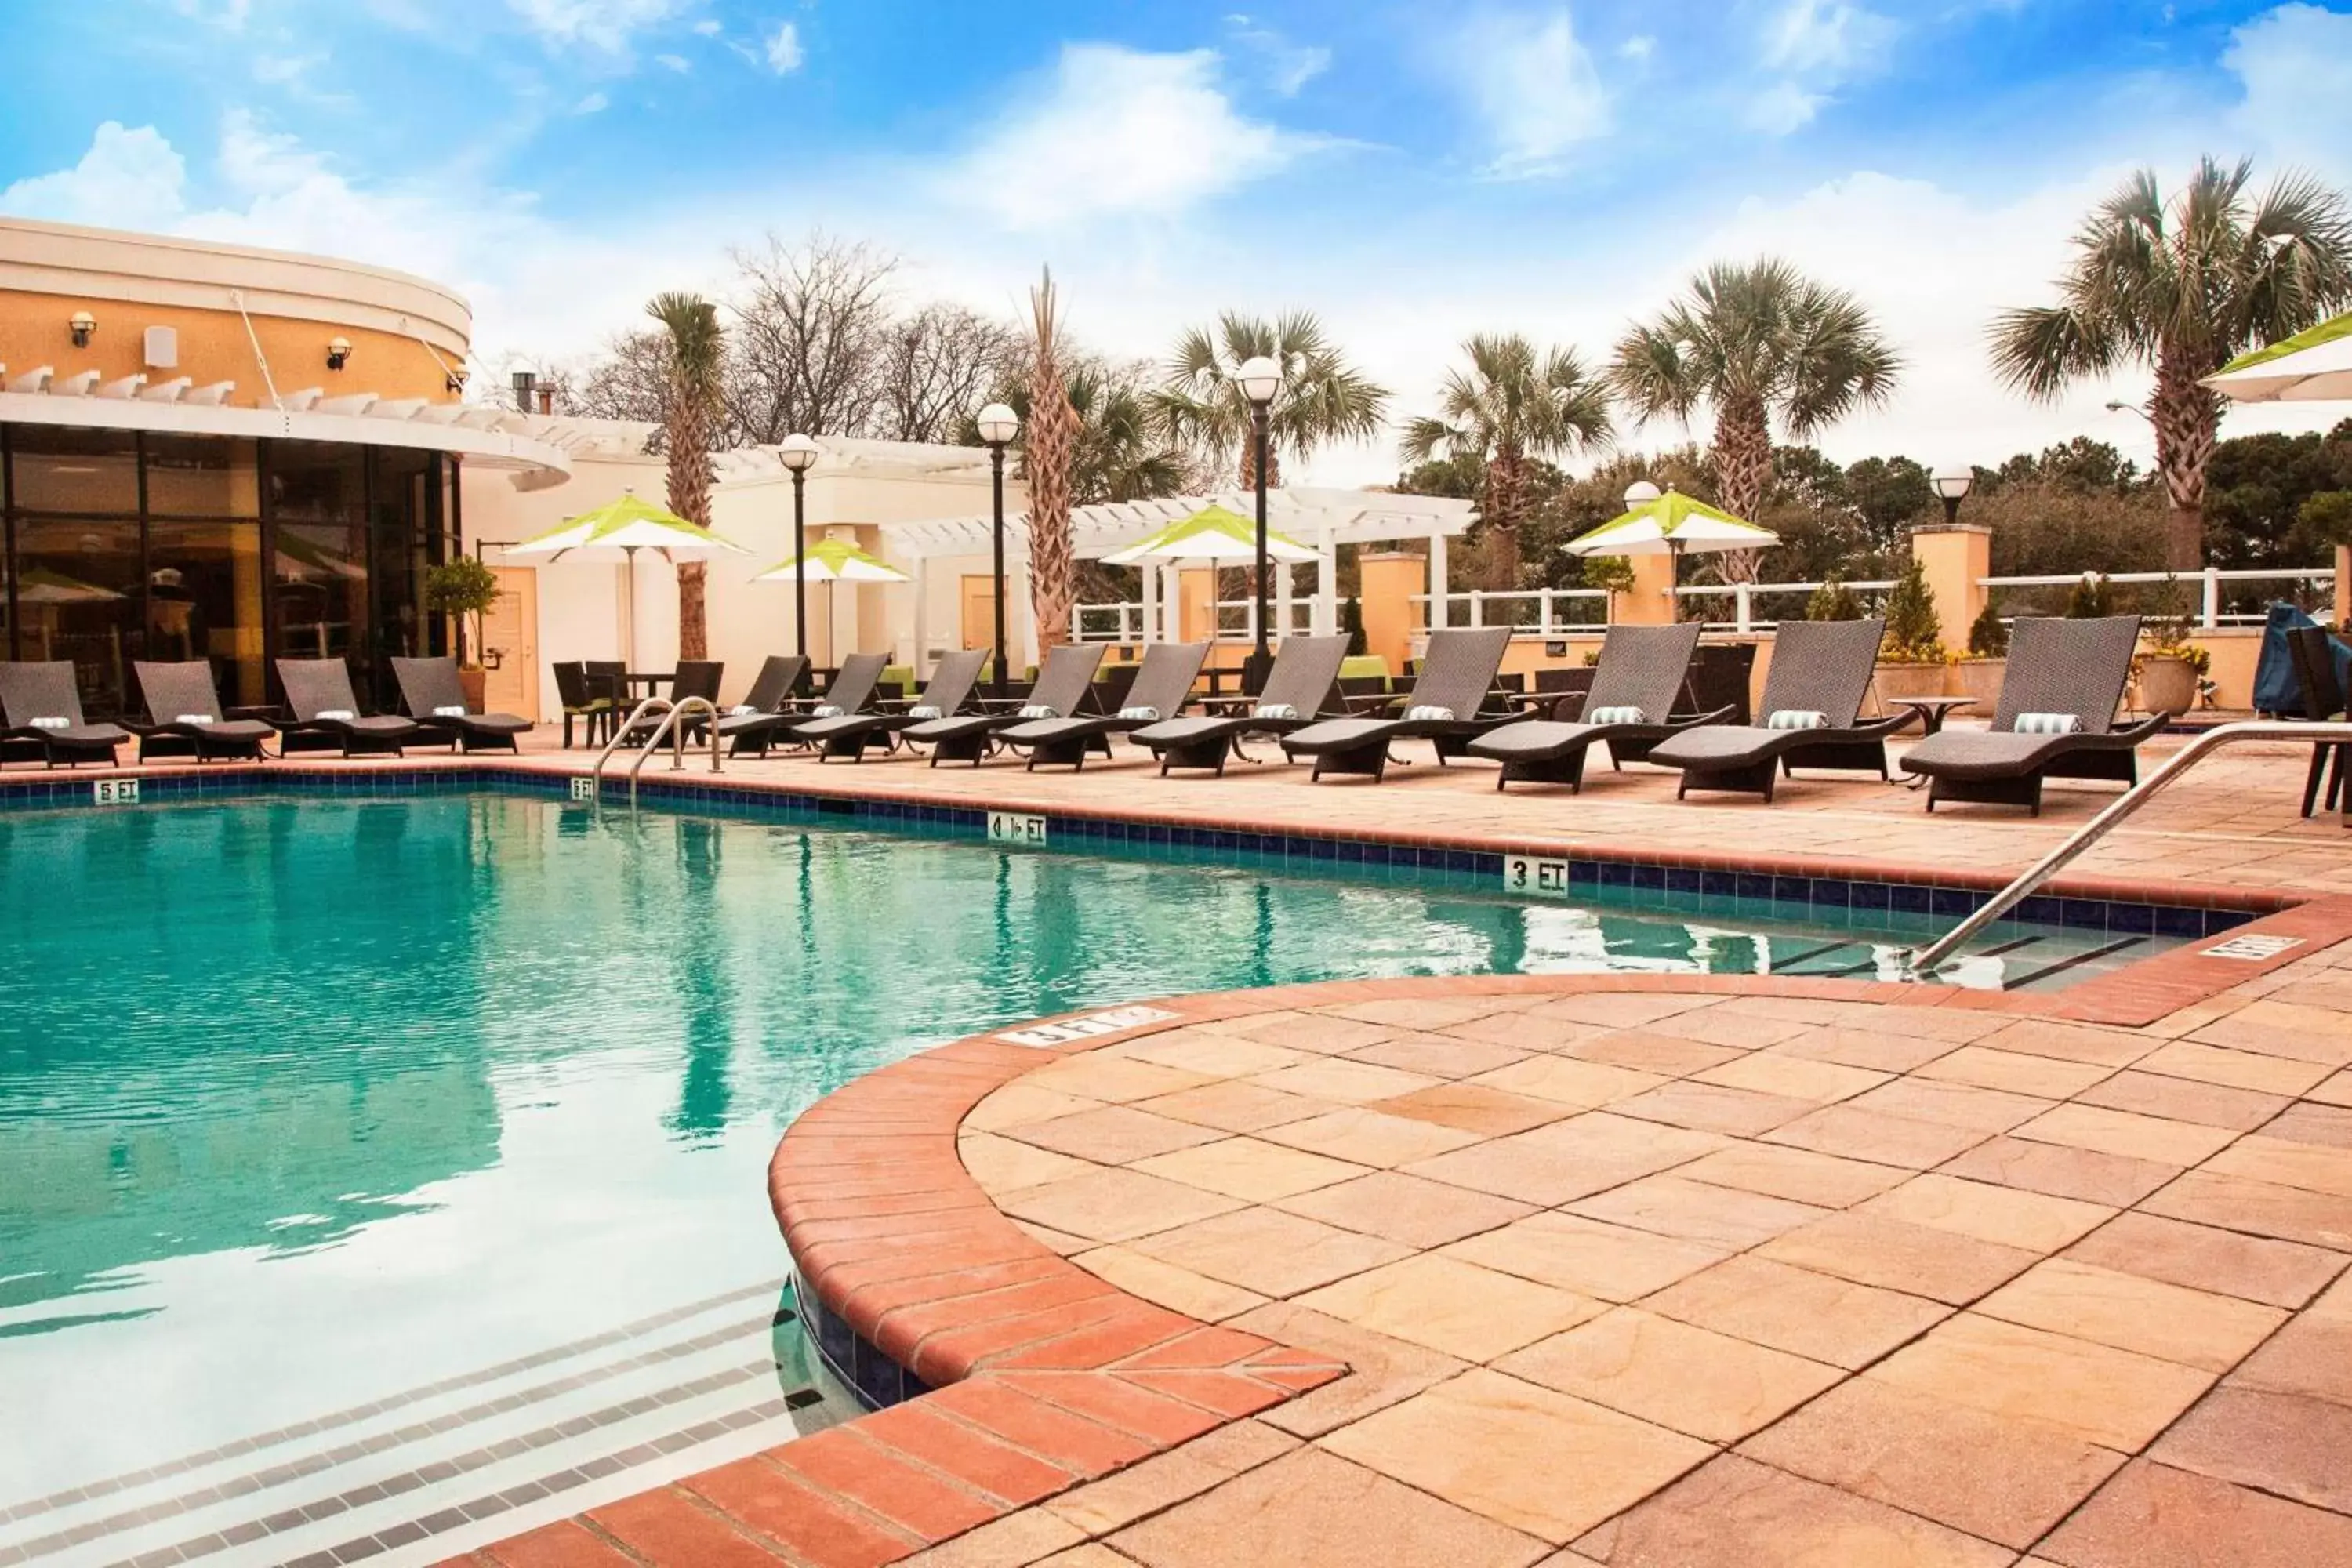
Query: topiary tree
(462,587)
(1611,574)
(1351,622)
(1915,632)
(1989,634)
(1833,601)
(2091,598)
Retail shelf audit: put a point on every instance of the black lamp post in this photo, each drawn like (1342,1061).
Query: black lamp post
(799,454)
(1260,378)
(998,425)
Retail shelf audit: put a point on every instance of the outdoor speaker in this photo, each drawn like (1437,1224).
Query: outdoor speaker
(162,348)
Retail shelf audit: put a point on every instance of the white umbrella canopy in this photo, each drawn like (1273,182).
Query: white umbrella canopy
(835,561)
(2312,366)
(627,525)
(1672,524)
(1213,533)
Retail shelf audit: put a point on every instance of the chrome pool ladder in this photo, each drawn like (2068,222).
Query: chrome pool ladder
(1924,960)
(672,728)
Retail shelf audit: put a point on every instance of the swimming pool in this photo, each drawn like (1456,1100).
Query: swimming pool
(365,1159)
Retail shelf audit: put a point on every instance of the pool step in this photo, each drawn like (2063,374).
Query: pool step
(421,1475)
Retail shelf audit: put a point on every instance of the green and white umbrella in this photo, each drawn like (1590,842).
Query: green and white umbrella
(626,526)
(39,585)
(1673,525)
(1213,533)
(833,561)
(2314,366)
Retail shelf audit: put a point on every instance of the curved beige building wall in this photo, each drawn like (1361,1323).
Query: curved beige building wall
(407,333)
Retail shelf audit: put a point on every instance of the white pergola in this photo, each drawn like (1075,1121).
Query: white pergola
(1318,516)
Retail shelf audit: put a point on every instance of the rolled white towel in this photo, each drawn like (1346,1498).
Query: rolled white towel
(1796,718)
(1429,712)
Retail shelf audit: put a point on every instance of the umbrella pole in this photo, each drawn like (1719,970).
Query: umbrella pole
(1673,578)
(629,607)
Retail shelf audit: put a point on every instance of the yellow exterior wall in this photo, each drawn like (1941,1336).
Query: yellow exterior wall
(214,347)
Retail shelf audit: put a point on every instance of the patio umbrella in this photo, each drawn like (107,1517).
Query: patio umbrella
(2314,366)
(1216,535)
(833,561)
(39,585)
(627,525)
(1672,525)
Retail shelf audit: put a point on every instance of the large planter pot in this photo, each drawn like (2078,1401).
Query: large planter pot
(1908,680)
(474,682)
(2167,685)
(1979,679)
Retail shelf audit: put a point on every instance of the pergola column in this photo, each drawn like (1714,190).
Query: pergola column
(1327,585)
(922,615)
(1439,579)
(1282,602)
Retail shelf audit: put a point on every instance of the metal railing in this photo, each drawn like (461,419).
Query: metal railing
(671,728)
(1496,607)
(2210,615)
(1926,959)
(1236,620)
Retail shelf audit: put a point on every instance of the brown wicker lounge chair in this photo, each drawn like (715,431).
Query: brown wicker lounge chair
(1812,693)
(45,719)
(1641,674)
(1065,689)
(1159,690)
(1303,686)
(767,708)
(327,714)
(1443,707)
(435,698)
(184,713)
(945,695)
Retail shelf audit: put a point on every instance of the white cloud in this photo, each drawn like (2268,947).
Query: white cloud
(128,179)
(594,103)
(678,63)
(1827,36)
(229,14)
(1532,85)
(1781,108)
(1118,132)
(605,25)
(1641,46)
(1289,66)
(708,28)
(784,50)
(2297,64)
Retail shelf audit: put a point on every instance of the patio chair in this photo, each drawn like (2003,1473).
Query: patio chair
(1157,689)
(1064,688)
(853,734)
(43,705)
(1303,686)
(2316,664)
(2056,718)
(327,714)
(1821,671)
(1443,707)
(749,725)
(435,698)
(692,678)
(184,715)
(1629,707)
(580,700)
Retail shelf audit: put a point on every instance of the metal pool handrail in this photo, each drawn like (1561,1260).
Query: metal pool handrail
(2320,734)
(672,728)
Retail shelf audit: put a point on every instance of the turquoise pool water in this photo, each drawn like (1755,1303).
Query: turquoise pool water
(305,1103)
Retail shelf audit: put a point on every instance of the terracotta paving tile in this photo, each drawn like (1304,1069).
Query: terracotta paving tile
(1406,1209)
(2009,1215)
(1567,1160)
(1234,1107)
(1313,1510)
(1047,1237)
(2168,1321)
(1438,1056)
(1118,1500)
(1520,1032)
(1696,1211)
(870,1475)
(2111,1397)
(2122,1133)
(563,1544)
(1060,1436)
(2153,1516)
(1165,1285)
(1795,1310)
(2281,1273)
(2335,1090)
(965,1453)
(1423,1012)
(1214,1056)
(2062,1171)
(1671,1373)
(1618,1011)
(1344,1083)
(1367,1137)
(1001,1164)
(1113,1205)
(2284,1029)
(1451,1306)
(1524,1456)
(1249,1168)
(1112,1080)
(2015,1072)
(1894,1255)
(2285,1444)
(1795,1077)
(1585,1085)
(2313,1167)
(1382,1371)
(1093,1554)
(1275,1254)
(1645,1051)
(1953,1104)
(2180,1099)
(2311,1356)
(663,1526)
(2068,1042)
(2234,1069)
(1607,1262)
(1472,1107)
(1323,1033)
(1113,1135)
(1735,1513)
(1711,1108)
(2005,1479)
(1714,1026)
(1877,1049)
(2263,1208)
(2328,1126)
(1798,1174)
(1013,1542)
(1021,1102)
(1854,1133)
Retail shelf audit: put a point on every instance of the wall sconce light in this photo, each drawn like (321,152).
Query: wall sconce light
(454,384)
(338,352)
(84,326)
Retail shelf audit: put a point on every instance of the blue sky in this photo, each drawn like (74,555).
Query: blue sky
(1413,172)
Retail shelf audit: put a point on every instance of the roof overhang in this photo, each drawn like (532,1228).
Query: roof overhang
(1311,514)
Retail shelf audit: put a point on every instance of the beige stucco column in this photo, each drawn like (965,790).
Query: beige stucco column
(2343,585)
(1390,579)
(1651,601)
(1955,558)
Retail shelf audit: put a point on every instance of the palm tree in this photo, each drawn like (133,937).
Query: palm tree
(1118,453)
(1052,430)
(697,353)
(2183,288)
(1510,407)
(1756,343)
(1322,399)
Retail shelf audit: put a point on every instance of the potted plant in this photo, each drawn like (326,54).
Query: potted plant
(1912,661)
(1833,601)
(2090,598)
(1613,572)
(1979,674)
(2167,674)
(462,588)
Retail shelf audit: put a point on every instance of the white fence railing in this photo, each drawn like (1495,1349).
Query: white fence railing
(2207,585)
(1553,609)
(1124,621)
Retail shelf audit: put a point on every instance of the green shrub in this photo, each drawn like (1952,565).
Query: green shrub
(1915,633)
(464,589)
(1989,634)
(1833,601)
(1351,621)
(2091,598)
